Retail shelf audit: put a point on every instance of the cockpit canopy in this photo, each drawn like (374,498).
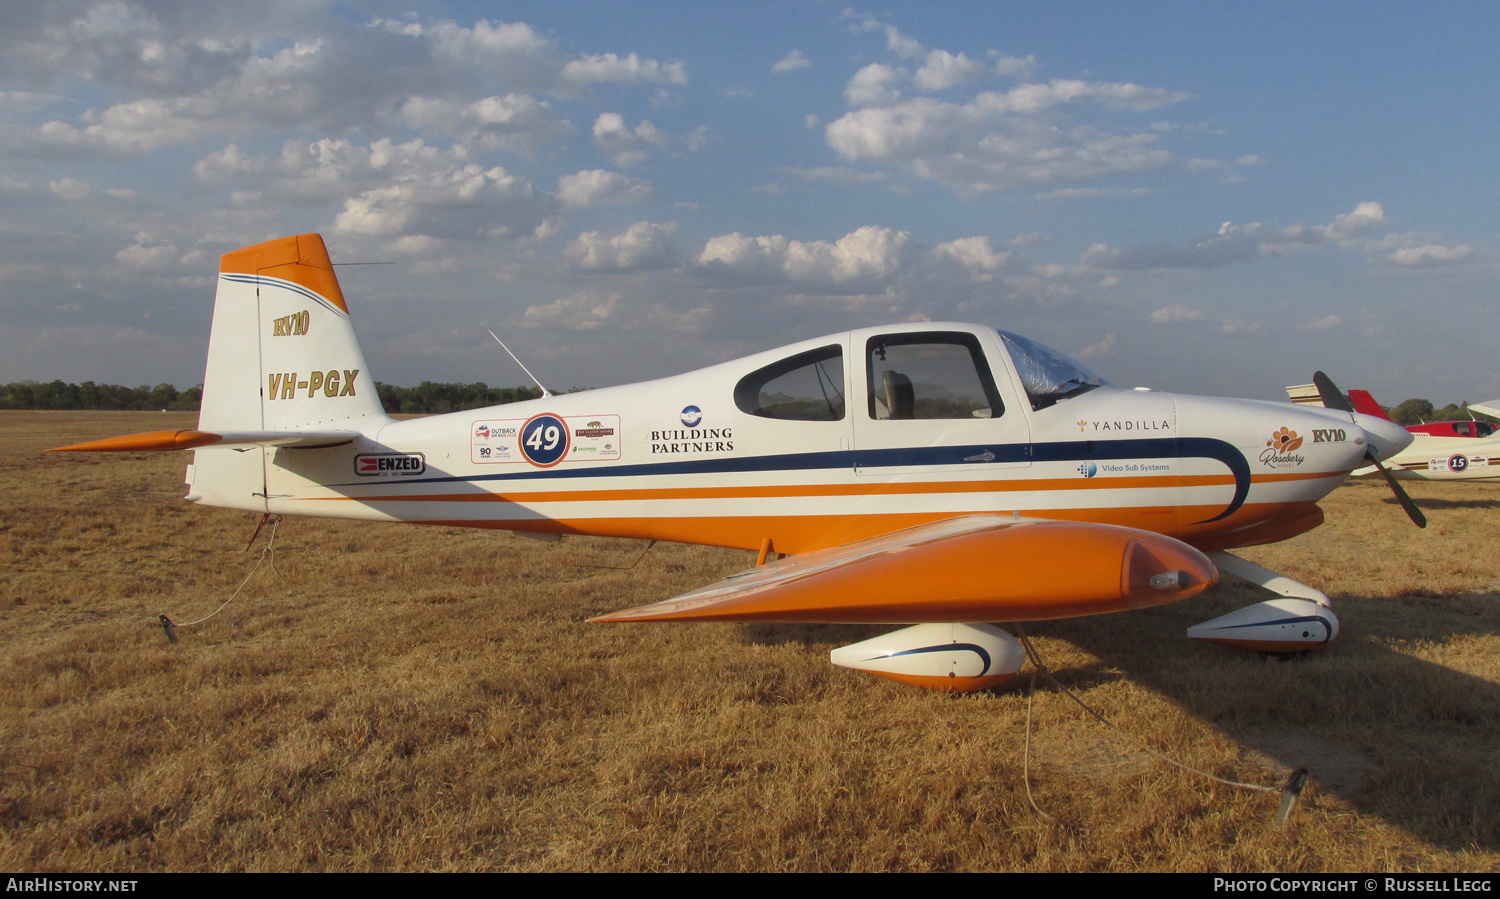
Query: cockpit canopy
(1046,374)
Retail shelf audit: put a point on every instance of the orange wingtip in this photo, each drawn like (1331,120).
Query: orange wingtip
(136,443)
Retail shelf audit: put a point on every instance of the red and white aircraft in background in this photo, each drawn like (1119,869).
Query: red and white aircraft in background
(1440,450)
(936,475)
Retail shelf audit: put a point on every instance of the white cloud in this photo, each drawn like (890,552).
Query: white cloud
(1233,327)
(1320,324)
(872,85)
(515,122)
(1103,348)
(322,73)
(582,311)
(901,45)
(628,146)
(1353,224)
(1430,255)
(998,140)
(1232,243)
(868,254)
(1176,313)
(644,245)
(976,254)
(429,194)
(629,69)
(943,70)
(68,188)
(594,186)
(791,62)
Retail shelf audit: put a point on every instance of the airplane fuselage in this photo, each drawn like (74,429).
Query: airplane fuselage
(810,446)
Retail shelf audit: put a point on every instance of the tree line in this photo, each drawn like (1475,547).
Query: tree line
(427,397)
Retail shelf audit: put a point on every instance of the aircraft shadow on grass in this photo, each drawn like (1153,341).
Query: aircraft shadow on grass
(1404,739)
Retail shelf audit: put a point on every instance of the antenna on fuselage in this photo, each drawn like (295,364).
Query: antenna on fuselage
(545,392)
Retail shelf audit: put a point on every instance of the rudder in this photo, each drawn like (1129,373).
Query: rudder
(282,354)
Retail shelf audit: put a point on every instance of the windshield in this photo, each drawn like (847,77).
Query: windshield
(1048,375)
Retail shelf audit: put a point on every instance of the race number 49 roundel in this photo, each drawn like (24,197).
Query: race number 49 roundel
(544,440)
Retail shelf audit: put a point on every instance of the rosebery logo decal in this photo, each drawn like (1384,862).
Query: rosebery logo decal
(1280,451)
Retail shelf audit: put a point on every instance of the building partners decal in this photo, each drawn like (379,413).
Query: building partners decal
(545,440)
(688,435)
(389,465)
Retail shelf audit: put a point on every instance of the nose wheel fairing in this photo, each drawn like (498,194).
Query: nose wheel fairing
(1301,620)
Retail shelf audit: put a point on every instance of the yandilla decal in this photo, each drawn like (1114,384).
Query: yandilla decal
(1113,425)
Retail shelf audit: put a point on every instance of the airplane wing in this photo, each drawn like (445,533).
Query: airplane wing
(181,440)
(1492,407)
(975,568)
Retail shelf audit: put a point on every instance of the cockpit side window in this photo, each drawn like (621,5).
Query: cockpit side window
(938,374)
(806,387)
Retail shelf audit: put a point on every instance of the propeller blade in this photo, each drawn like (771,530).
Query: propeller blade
(1332,397)
(1412,511)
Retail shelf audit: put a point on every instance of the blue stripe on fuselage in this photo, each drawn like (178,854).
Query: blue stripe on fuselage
(1073,451)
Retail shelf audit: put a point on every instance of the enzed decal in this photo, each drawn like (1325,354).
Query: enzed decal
(294,325)
(389,465)
(1280,451)
(284,385)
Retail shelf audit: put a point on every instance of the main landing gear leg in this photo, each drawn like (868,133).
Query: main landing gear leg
(1301,621)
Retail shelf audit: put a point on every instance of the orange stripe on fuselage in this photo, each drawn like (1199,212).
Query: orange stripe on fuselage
(805,533)
(872,487)
(302,260)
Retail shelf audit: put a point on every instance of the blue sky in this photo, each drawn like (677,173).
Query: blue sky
(1193,197)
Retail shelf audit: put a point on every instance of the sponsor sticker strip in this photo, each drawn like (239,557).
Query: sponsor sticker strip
(545,440)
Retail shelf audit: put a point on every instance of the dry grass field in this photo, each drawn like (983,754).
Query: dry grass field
(403,698)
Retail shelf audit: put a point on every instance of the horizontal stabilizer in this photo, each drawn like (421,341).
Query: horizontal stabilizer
(1491,408)
(977,568)
(155,441)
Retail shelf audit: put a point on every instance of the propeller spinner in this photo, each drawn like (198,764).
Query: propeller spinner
(1333,398)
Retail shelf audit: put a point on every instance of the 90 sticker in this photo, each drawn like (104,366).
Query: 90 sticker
(544,440)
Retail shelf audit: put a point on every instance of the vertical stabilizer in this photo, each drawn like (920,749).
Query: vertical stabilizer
(282,356)
(1364,403)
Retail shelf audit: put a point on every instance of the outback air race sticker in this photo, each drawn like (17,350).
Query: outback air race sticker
(1281,450)
(389,465)
(545,440)
(1458,463)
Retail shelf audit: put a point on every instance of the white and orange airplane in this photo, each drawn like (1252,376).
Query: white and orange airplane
(936,475)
